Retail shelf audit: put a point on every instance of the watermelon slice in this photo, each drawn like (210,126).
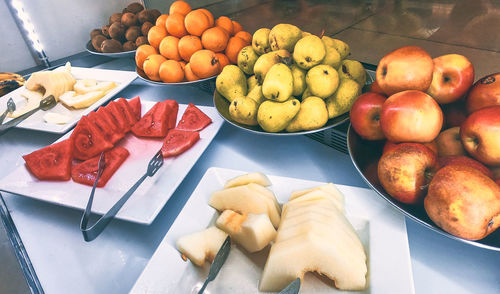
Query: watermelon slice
(86,171)
(118,116)
(158,120)
(178,141)
(88,140)
(193,119)
(106,116)
(52,162)
(105,128)
(135,104)
(128,112)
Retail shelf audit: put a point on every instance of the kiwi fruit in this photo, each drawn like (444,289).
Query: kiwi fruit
(141,40)
(97,41)
(129,46)
(132,33)
(95,32)
(111,46)
(105,30)
(145,28)
(146,16)
(115,17)
(129,19)
(135,7)
(156,13)
(117,31)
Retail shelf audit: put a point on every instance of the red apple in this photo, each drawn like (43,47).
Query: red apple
(449,142)
(464,160)
(365,116)
(406,170)
(391,145)
(406,68)
(454,114)
(411,116)
(375,88)
(480,135)
(463,202)
(452,77)
(484,93)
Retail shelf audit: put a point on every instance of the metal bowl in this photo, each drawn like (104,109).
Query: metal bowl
(126,54)
(222,106)
(365,155)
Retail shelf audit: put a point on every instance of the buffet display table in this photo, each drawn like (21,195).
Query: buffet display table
(62,262)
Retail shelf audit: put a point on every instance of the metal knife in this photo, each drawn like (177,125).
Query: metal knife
(292,288)
(216,265)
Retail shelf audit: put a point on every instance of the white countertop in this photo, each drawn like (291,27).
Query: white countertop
(65,263)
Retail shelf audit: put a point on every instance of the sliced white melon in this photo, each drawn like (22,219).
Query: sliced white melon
(74,100)
(56,118)
(253,231)
(255,177)
(291,259)
(317,195)
(89,85)
(244,200)
(329,188)
(202,246)
(33,99)
(266,192)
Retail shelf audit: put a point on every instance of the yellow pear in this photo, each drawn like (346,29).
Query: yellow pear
(299,80)
(307,93)
(312,115)
(332,56)
(352,69)
(322,80)
(266,61)
(278,84)
(231,83)
(341,101)
(260,41)
(244,110)
(284,36)
(246,59)
(309,51)
(251,82)
(341,46)
(256,94)
(275,116)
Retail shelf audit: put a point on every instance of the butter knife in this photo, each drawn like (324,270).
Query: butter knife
(292,288)
(216,265)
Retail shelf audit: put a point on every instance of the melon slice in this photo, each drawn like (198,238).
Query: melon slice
(255,177)
(266,192)
(317,195)
(202,246)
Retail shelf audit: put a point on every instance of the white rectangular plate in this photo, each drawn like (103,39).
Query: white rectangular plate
(381,229)
(36,121)
(145,204)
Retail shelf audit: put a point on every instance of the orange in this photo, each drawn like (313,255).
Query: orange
(209,15)
(234,45)
(155,35)
(245,36)
(152,66)
(236,27)
(188,73)
(204,64)
(160,21)
(168,48)
(215,39)
(189,45)
(171,72)
(182,64)
(175,25)
(196,22)
(225,23)
(142,53)
(223,60)
(180,7)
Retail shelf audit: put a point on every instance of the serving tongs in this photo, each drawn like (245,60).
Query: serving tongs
(45,104)
(292,288)
(11,107)
(216,265)
(90,233)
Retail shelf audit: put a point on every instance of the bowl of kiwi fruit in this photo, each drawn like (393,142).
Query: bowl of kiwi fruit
(124,32)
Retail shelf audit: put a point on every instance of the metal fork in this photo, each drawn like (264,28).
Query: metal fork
(45,104)
(90,233)
(11,107)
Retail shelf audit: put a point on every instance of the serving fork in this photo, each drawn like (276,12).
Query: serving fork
(11,107)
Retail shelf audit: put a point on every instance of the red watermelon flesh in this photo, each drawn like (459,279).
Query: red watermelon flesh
(118,116)
(88,140)
(135,104)
(52,162)
(128,112)
(193,119)
(105,128)
(178,141)
(158,120)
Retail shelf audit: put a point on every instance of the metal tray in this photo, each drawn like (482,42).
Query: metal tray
(365,155)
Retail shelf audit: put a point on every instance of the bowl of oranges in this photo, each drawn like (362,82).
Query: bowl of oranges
(189,46)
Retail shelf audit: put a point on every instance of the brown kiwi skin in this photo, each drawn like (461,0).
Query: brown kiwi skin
(97,41)
(135,7)
(115,17)
(145,16)
(117,31)
(156,13)
(132,33)
(129,46)
(95,32)
(105,30)
(111,46)
(129,19)
(141,40)
(146,27)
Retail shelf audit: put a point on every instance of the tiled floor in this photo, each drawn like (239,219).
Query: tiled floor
(371,28)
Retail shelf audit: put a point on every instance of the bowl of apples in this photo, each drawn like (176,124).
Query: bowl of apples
(426,138)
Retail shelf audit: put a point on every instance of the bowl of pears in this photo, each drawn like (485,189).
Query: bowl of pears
(289,82)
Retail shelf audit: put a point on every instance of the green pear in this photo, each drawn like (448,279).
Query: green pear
(275,116)
(284,36)
(322,80)
(299,80)
(341,101)
(244,110)
(256,94)
(332,56)
(308,52)
(307,93)
(352,69)
(246,59)
(231,82)
(252,82)
(265,61)
(278,84)
(260,41)
(312,115)
(339,45)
